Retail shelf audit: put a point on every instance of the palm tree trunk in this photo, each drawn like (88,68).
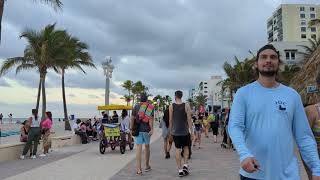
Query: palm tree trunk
(67,126)
(39,94)
(44,99)
(1,14)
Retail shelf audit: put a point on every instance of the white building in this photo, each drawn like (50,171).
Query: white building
(288,29)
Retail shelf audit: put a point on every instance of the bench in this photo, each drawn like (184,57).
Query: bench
(13,151)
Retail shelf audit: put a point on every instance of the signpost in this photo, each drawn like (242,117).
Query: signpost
(312,89)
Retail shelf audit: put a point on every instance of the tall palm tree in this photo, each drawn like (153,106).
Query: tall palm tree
(314,44)
(128,85)
(56,4)
(200,100)
(127,98)
(138,88)
(238,75)
(43,51)
(75,56)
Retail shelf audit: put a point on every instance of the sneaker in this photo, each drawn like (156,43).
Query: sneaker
(22,157)
(167,155)
(147,169)
(186,169)
(33,157)
(181,173)
(42,155)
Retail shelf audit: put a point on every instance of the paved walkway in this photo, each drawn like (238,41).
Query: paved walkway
(84,162)
(209,163)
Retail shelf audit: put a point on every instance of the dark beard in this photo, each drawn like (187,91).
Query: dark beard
(268,73)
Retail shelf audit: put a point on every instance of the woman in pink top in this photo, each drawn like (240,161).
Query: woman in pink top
(45,128)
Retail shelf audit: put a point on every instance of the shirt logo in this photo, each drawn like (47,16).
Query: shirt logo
(281,105)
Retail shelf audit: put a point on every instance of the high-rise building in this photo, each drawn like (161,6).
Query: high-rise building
(288,29)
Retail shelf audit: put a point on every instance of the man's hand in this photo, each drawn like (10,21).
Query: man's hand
(151,132)
(315,177)
(251,165)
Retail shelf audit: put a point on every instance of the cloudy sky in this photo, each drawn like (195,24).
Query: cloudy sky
(167,44)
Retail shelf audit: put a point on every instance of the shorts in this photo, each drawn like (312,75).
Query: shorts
(142,138)
(182,141)
(197,129)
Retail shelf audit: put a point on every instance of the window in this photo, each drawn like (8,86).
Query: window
(301,8)
(303,23)
(287,55)
(293,55)
(205,87)
(303,29)
(313,29)
(302,16)
(205,83)
(311,8)
(205,91)
(303,36)
(312,16)
(314,36)
(290,55)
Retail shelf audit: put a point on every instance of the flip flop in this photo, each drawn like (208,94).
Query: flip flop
(139,173)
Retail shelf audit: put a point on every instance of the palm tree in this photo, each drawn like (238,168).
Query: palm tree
(127,98)
(161,101)
(75,56)
(56,4)
(288,73)
(200,100)
(43,51)
(138,88)
(314,44)
(314,22)
(128,85)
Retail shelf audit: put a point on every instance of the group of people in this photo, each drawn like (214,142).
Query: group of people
(266,120)
(10,118)
(86,130)
(177,129)
(32,131)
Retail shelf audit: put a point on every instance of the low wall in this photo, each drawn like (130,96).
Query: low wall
(13,151)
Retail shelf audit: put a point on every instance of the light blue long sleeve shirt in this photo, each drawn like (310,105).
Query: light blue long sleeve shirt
(265,123)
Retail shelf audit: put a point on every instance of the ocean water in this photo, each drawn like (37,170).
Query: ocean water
(11,129)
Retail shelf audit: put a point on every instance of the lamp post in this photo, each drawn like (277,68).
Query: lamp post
(107,69)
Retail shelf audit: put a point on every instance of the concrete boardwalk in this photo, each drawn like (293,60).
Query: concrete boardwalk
(211,162)
(84,162)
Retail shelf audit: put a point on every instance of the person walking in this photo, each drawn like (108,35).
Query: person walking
(267,119)
(46,133)
(143,117)
(180,126)
(206,125)
(313,115)
(1,117)
(10,116)
(214,124)
(167,138)
(34,135)
(197,121)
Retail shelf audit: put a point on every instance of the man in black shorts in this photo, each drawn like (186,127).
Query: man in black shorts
(180,126)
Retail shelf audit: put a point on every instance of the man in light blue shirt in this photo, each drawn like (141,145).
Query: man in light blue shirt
(266,120)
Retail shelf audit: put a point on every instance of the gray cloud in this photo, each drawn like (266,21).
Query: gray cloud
(167,44)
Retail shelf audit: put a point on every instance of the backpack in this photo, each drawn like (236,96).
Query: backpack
(145,112)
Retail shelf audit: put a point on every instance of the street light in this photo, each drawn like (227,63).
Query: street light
(107,69)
